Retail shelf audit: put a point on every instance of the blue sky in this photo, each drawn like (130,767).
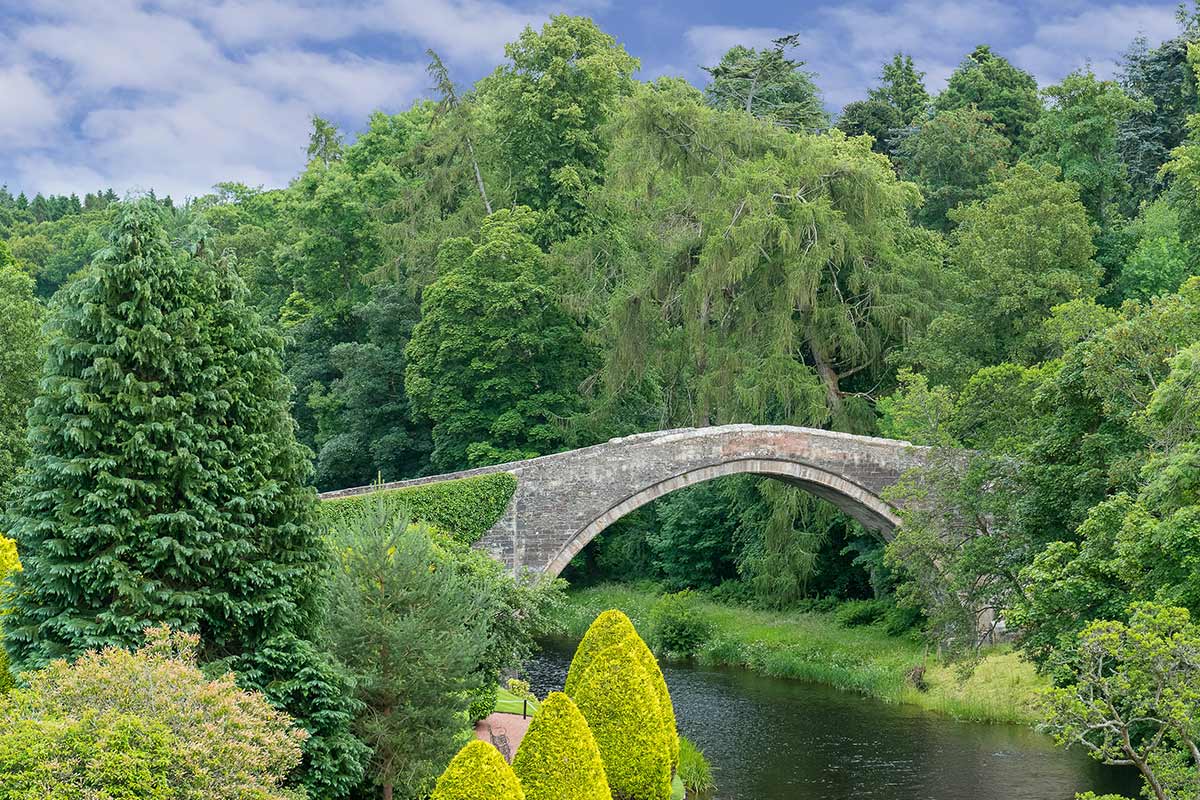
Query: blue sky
(176,95)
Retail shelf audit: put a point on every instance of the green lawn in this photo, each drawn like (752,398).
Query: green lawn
(509,703)
(813,647)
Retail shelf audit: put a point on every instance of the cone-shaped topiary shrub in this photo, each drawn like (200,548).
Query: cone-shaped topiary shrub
(616,696)
(558,758)
(608,629)
(478,772)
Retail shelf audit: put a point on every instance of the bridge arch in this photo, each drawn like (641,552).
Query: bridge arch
(563,500)
(863,505)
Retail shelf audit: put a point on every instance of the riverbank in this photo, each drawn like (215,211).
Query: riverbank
(811,646)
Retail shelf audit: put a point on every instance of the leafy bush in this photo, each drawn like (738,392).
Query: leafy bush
(854,613)
(613,627)
(465,508)
(124,724)
(900,619)
(694,769)
(617,698)
(9,563)
(483,702)
(110,755)
(677,626)
(607,629)
(558,759)
(478,772)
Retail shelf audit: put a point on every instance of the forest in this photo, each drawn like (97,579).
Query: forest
(562,253)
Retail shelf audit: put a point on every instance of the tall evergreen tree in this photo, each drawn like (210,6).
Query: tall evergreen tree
(992,84)
(767,84)
(165,483)
(20,318)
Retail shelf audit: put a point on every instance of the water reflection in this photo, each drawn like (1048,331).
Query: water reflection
(771,739)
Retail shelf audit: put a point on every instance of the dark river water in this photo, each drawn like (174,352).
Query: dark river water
(773,739)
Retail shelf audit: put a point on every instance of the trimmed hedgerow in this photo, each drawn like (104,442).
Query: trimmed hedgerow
(558,758)
(464,508)
(9,563)
(613,627)
(478,772)
(616,696)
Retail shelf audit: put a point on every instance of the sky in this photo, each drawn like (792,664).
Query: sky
(177,95)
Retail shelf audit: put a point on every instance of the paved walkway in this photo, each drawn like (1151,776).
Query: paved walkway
(511,725)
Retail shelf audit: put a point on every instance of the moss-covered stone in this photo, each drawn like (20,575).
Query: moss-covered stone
(617,698)
(558,759)
(478,772)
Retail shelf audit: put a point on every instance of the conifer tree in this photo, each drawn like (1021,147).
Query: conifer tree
(165,484)
(20,318)
(558,758)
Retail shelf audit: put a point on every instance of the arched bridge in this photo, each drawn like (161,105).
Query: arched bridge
(563,500)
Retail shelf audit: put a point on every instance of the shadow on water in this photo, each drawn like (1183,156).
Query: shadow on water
(775,739)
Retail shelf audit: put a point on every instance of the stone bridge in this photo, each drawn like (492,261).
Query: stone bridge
(563,500)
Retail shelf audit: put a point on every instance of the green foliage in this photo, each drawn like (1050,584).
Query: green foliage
(767,85)
(608,628)
(693,536)
(950,157)
(917,412)
(9,563)
(694,769)
(617,698)
(861,612)
(20,320)
(1016,255)
(495,361)
(902,86)
(465,508)
(139,724)
(991,83)
(558,758)
(548,110)
(1078,134)
(1159,262)
(1134,699)
(483,702)
(478,772)
(205,521)
(677,626)
(412,631)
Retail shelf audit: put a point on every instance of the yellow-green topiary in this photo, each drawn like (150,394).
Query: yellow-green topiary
(613,627)
(478,772)
(9,563)
(616,696)
(606,630)
(558,758)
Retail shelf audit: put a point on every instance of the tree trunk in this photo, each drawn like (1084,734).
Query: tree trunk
(829,378)
(478,176)
(387,791)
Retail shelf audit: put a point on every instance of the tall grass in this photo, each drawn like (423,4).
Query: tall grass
(694,769)
(813,647)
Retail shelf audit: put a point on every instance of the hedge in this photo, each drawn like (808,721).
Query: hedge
(558,758)
(9,563)
(613,627)
(465,508)
(609,628)
(617,698)
(478,772)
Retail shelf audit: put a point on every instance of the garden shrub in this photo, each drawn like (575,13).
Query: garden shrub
(614,627)
(677,626)
(110,755)
(465,508)
(9,563)
(558,759)
(221,741)
(478,772)
(483,702)
(694,769)
(854,613)
(609,628)
(617,698)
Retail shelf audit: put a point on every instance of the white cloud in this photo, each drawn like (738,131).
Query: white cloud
(708,43)
(30,110)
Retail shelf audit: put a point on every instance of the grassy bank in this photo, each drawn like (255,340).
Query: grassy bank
(813,647)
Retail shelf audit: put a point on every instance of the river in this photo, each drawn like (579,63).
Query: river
(774,739)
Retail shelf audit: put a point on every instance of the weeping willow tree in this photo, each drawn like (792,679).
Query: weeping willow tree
(753,274)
